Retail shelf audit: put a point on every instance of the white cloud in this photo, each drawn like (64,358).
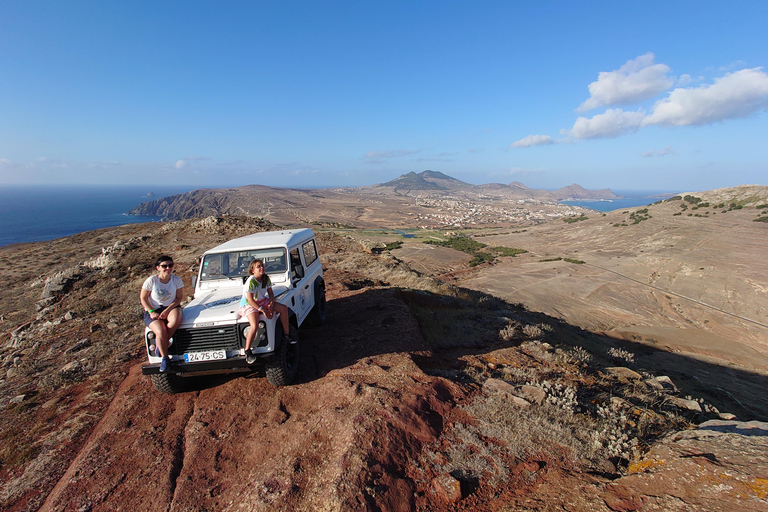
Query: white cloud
(391,153)
(732,96)
(532,140)
(659,152)
(188,161)
(612,123)
(637,80)
(377,157)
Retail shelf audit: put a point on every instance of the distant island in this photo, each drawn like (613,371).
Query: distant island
(578,193)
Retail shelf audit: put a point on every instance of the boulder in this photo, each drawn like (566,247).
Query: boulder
(447,488)
(684,403)
(499,386)
(623,372)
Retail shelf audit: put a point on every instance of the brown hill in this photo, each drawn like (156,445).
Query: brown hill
(425,180)
(415,396)
(392,204)
(576,192)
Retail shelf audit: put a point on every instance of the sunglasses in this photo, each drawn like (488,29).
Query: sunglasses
(163,265)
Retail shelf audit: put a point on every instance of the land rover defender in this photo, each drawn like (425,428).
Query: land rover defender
(211,337)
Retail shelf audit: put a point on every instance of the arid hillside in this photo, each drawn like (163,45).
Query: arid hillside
(416,395)
(427,199)
(682,276)
(676,275)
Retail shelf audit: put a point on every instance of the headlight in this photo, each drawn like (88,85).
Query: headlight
(151,342)
(262,331)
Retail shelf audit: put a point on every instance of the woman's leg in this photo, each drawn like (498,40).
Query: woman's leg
(283,310)
(161,336)
(252,331)
(174,320)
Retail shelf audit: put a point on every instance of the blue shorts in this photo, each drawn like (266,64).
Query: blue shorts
(148,319)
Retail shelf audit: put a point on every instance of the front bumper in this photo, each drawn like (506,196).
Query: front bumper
(232,364)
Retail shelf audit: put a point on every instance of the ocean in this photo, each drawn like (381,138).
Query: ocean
(631,199)
(37,213)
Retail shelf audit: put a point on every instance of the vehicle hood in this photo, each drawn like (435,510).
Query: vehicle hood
(215,305)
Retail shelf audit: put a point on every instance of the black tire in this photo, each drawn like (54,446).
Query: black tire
(282,369)
(168,383)
(318,314)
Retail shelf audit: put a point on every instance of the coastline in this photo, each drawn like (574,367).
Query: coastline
(46,212)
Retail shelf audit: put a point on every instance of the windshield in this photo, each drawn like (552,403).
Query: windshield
(235,264)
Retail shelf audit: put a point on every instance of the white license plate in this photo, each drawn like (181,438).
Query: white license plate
(208,355)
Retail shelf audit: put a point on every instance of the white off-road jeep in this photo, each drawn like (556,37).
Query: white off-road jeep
(211,336)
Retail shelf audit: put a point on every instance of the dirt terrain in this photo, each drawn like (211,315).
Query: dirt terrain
(416,395)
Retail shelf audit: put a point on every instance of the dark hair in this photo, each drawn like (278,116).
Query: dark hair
(250,270)
(162,259)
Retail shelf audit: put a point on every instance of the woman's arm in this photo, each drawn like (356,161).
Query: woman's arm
(176,302)
(144,298)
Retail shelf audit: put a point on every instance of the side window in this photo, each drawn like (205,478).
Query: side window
(297,269)
(310,252)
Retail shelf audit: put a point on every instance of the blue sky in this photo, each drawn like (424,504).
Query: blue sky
(628,95)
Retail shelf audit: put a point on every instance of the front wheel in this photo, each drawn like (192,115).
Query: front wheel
(168,383)
(282,369)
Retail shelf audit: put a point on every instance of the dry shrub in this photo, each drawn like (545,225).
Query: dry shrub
(532,331)
(552,428)
(471,457)
(619,355)
(580,355)
(537,331)
(509,332)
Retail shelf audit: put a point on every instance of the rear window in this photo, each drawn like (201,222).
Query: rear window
(310,252)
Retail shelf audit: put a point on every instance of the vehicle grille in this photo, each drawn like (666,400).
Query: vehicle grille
(205,338)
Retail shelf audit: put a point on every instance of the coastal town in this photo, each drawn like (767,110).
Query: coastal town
(453,212)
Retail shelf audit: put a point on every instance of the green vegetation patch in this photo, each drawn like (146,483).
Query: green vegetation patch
(761,219)
(333,225)
(560,258)
(691,199)
(460,243)
(477,249)
(639,216)
(569,220)
(507,251)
